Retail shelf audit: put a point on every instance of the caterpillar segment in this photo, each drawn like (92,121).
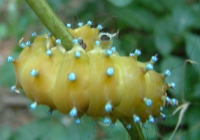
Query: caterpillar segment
(35,76)
(91,78)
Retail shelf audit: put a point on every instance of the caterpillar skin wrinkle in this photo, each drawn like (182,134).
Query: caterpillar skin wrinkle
(91,78)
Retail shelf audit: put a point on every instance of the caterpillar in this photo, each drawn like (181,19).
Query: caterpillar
(91,78)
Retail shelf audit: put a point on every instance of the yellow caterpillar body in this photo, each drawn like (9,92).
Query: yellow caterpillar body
(91,78)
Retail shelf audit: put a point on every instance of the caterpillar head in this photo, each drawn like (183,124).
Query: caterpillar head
(87,36)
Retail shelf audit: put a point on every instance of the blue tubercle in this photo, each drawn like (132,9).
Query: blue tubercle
(11,59)
(154,58)
(100,27)
(151,119)
(73,112)
(89,23)
(68,25)
(167,73)
(113,49)
(34,34)
(149,66)
(78,54)
(22,45)
(13,88)
(33,106)
(168,100)
(49,52)
(58,41)
(136,118)
(128,126)
(110,71)
(107,120)
(108,107)
(75,41)
(163,116)
(97,42)
(50,34)
(80,24)
(132,54)
(34,73)
(109,52)
(148,102)
(78,121)
(174,102)
(49,112)
(112,125)
(72,76)
(28,43)
(172,85)
(137,52)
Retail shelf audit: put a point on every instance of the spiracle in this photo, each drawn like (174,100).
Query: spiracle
(91,78)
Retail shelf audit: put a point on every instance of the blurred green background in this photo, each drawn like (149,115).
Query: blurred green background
(169,28)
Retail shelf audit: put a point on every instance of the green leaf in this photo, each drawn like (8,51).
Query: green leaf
(191,118)
(196,11)
(118,132)
(196,93)
(163,43)
(139,18)
(120,3)
(193,48)
(33,131)
(51,128)
(3,31)
(7,74)
(182,18)
(5,133)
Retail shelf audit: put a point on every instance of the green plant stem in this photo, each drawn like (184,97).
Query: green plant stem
(58,29)
(135,132)
(51,21)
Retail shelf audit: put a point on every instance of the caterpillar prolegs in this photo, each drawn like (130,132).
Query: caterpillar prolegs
(91,78)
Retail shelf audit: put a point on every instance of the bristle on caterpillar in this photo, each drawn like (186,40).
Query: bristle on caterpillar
(91,78)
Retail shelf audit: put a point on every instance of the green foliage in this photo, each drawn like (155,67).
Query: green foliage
(168,28)
(48,128)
